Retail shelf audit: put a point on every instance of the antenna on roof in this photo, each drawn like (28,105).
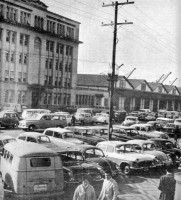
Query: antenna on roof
(173,81)
(129,74)
(160,78)
(166,76)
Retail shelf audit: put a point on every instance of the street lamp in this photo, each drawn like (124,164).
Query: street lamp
(112,79)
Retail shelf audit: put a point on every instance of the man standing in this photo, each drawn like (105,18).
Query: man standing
(167,185)
(109,189)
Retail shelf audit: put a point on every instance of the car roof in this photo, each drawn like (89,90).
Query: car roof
(140,142)
(164,118)
(159,139)
(28,149)
(141,125)
(32,134)
(82,147)
(58,129)
(4,137)
(123,127)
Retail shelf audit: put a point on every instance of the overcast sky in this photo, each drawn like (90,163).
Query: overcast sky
(150,45)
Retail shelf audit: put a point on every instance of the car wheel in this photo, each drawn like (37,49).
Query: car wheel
(126,169)
(31,128)
(15,125)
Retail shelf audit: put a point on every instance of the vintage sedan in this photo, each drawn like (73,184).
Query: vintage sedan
(84,118)
(148,147)
(130,120)
(42,121)
(103,118)
(86,134)
(75,166)
(95,155)
(62,137)
(124,156)
(149,131)
(168,148)
(131,132)
(36,138)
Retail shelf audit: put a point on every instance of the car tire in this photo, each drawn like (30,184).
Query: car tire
(126,169)
(15,125)
(31,128)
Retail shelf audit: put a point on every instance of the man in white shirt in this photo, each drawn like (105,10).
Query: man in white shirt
(109,189)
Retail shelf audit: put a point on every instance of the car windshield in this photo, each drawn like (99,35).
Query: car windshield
(43,139)
(92,153)
(87,133)
(149,147)
(67,157)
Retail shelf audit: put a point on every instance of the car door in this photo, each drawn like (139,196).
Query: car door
(6,119)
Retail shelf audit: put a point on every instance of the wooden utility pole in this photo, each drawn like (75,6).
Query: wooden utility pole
(113,77)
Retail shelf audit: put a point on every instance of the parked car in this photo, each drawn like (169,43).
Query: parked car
(172,114)
(103,118)
(119,115)
(162,121)
(36,138)
(169,129)
(84,118)
(130,120)
(4,139)
(31,171)
(62,137)
(42,121)
(150,117)
(145,110)
(9,119)
(177,122)
(148,147)
(167,147)
(75,166)
(149,131)
(130,132)
(126,158)
(95,156)
(86,134)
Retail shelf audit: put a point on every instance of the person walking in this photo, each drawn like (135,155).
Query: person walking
(84,191)
(73,120)
(167,185)
(109,188)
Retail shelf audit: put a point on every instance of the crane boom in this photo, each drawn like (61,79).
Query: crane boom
(173,81)
(160,78)
(166,77)
(131,73)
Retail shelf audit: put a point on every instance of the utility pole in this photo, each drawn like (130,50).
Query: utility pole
(112,77)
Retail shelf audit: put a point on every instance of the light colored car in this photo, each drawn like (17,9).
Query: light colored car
(27,113)
(149,131)
(103,118)
(42,121)
(148,147)
(163,121)
(36,138)
(177,122)
(122,154)
(4,139)
(84,118)
(62,137)
(130,120)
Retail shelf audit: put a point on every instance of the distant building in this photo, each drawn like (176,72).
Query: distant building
(129,94)
(38,56)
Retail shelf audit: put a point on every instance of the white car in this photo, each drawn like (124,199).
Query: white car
(62,137)
(130,120)
(123,155)
(103,118)
(84,118)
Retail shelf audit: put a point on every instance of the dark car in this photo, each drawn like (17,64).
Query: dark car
(128,133)
(9,119)
(75,166)
(86,134)
(95,156)
(168,148)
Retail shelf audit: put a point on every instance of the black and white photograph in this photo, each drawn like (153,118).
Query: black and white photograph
(90,100)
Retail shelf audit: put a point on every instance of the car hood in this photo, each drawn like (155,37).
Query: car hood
(157,154)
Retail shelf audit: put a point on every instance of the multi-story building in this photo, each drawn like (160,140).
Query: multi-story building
(38,56)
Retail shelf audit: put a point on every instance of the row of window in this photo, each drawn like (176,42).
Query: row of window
(58,81)
(56,99)
(10,56)
(25,18)
(11,37)
(10,76)
(58,65)
(85,100)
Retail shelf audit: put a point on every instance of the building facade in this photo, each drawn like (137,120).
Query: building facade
(38,56)
(129,94)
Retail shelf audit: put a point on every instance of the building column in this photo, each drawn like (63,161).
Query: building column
(177,177)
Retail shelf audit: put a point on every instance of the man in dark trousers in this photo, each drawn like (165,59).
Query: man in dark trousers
(167,185)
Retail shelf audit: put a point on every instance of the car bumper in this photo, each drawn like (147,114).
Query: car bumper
(143,169)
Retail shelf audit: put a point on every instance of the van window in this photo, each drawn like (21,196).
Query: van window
(40,162)
(22,137)
(31,139)
(57,135)
(55,118)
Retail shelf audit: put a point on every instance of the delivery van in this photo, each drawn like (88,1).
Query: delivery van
(31,171)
